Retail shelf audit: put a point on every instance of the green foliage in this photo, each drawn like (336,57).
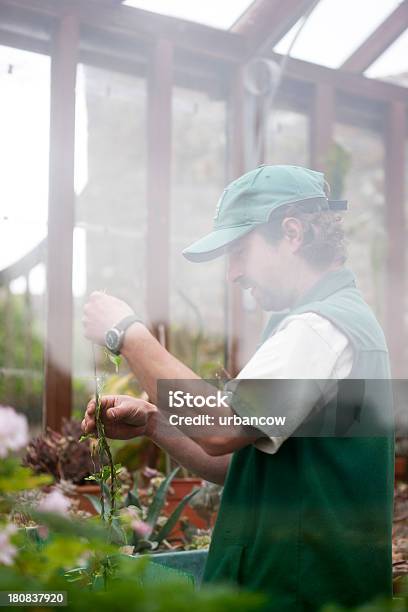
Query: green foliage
(14,477)
(61,553)
(338,164)
(104,454)
(115,359)
(104,474)
(15,335)
(202,353)
(106,505)
(122,384)
(80,397)
(159,499)
(133,454)
(174,517)
(198,542)
(127,587)
(132,498)
(151,517)
(25,392)
(81,558)
(160,531)
(381,604)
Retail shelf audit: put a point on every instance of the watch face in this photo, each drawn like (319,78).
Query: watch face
(112,339)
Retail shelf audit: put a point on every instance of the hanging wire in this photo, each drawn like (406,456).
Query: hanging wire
(263,107)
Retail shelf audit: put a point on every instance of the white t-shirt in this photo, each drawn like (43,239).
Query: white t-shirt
(305,346)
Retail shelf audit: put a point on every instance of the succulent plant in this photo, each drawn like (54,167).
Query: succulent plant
(61,454)
(207,501)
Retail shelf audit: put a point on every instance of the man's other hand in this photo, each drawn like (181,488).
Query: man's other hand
(124,417)
(101,312)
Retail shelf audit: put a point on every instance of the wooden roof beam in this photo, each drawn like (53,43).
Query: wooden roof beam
(341,80)
(299,70)
(130,21)
(379,41)
(265,22)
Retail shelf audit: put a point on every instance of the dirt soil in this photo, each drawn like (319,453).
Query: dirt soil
(400,531)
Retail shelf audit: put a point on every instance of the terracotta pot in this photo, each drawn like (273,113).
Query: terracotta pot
(401,468)
(84,503)
(179,488)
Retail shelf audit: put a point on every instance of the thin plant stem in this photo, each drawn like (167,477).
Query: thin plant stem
(98,421)
(104,449)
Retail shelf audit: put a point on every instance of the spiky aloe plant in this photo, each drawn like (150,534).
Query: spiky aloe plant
(156,532)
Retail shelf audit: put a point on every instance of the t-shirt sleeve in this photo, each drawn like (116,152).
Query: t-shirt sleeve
(311,354)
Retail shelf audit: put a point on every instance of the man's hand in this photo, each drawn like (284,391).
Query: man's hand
(124,417)
(101,312)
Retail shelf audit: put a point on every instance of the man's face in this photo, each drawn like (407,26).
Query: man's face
(270,271)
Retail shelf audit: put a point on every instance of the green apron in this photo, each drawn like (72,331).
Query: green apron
(312,523)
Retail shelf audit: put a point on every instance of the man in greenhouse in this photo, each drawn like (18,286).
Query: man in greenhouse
(306,511)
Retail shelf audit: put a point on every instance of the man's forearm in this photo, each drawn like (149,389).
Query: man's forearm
(188,453)
(150,361)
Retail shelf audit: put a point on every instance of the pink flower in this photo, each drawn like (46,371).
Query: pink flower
(13,430)
(130,512)
(149,472)
(84,558)
(55,502)
(7,549)
(43,532)
(141,528)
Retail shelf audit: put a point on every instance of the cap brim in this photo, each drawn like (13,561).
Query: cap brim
(215,243)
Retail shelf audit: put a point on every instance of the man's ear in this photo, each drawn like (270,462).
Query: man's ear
(292,231)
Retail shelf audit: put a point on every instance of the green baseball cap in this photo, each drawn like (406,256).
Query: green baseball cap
(249,201)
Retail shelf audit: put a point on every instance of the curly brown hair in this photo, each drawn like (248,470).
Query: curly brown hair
(324,240)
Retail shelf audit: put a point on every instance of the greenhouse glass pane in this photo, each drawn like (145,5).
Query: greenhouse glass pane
(212,12)
(111,210)
(287,139)
(197,299)
(335,29)
(392,65)
(24,156)
(365,221)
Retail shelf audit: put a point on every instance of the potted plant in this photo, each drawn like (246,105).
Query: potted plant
(78,560)
(137,522)
(146,510)
(202,510)
(67,459)
(143,525)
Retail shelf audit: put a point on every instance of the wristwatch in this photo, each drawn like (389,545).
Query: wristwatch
(115,335)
